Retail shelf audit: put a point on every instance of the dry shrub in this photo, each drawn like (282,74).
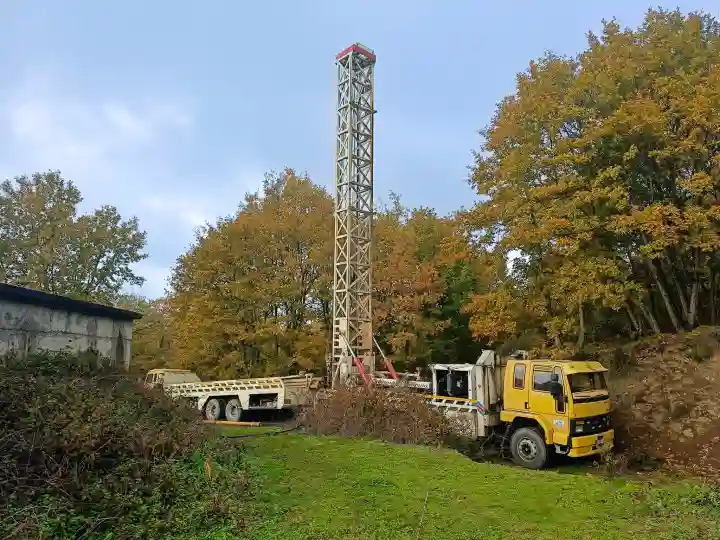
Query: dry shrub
(397,415)
(87,453)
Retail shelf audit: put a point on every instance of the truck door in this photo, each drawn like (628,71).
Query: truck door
(515,393)
(543,404)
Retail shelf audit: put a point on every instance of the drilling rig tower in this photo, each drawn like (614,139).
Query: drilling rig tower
(352,338)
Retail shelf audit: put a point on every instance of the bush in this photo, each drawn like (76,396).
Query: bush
(87,453)
(398,416)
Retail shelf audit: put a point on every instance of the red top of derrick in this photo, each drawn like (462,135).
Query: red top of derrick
(356,48)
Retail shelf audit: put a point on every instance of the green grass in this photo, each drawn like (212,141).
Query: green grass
(325,488)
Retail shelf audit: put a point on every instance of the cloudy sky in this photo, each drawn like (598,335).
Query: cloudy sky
(172,110)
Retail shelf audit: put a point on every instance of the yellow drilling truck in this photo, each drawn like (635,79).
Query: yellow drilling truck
(539,407)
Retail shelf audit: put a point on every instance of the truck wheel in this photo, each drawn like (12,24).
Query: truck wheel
(233,410)
(213,409)
(528,448)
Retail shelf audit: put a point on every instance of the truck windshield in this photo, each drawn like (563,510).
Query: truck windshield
(584,382)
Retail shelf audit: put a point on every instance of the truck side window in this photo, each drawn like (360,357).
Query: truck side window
(541,380)
(519,377)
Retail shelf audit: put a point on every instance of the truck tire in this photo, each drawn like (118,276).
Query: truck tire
(233,410)
(528,448)
(213,409)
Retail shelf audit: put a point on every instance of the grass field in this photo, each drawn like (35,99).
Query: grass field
(329,488)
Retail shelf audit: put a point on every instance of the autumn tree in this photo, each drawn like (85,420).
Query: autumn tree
(425,269)
(45,244)
(252,296)
(601,175)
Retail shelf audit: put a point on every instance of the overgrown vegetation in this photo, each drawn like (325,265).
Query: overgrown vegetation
(87,453)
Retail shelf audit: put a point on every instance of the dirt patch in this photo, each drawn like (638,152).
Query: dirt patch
(667,402)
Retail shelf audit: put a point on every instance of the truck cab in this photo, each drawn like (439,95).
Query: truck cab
(164,376)
(566,403)
(540,406)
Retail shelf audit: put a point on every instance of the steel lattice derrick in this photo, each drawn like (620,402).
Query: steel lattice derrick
(352,291)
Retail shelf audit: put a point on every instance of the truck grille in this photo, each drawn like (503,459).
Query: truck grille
(590,425)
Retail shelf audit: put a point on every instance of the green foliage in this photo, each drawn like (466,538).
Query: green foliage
(87,453)
(46,245)
(603,173)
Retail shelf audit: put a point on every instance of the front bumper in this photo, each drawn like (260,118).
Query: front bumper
(588,445)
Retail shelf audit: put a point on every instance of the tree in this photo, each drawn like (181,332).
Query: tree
(252,296)
(603,173)
(45,244)
(406,286)
(425,269)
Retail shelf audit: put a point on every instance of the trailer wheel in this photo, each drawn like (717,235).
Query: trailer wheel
(213,409)
(528,448)
(233,410)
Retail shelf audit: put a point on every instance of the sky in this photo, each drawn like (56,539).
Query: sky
(173,110)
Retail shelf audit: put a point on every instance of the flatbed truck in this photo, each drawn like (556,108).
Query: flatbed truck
(230,399)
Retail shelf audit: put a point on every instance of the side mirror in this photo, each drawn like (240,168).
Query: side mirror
(556,389)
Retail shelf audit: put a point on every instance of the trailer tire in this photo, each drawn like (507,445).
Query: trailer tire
(213,409)
(233,410)
(528,448)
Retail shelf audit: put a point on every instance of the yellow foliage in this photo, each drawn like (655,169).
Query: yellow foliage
(602,172)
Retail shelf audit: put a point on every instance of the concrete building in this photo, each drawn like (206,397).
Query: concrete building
(32,321)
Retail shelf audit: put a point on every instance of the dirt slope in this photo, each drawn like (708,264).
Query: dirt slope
(667,396)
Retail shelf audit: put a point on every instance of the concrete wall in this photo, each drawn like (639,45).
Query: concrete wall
(28,329)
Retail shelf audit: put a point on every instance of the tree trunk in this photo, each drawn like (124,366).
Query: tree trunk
(695,291)
(581,334)
(633,320)
(649,317)
(692,313)
(667,267)
(665,296)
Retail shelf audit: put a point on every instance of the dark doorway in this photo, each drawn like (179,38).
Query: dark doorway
(120,350)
